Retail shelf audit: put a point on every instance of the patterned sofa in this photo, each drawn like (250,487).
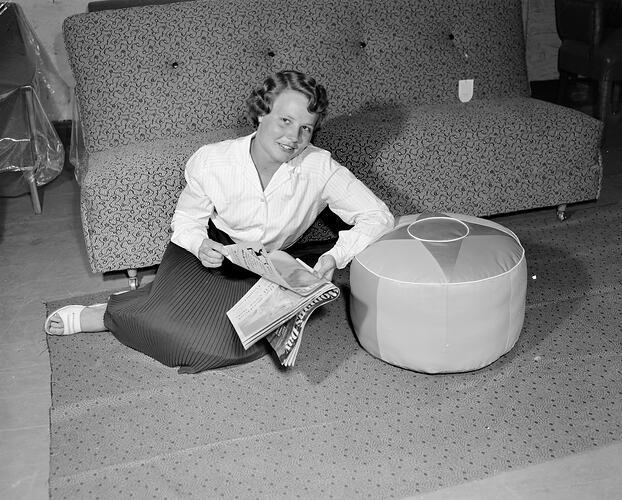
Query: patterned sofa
(154,83)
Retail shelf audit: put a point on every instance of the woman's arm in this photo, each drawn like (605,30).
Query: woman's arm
(194,207)
(356,205)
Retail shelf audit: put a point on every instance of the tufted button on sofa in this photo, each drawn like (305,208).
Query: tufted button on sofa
(392,70)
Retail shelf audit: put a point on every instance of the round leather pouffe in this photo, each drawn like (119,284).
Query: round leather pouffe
(440,293)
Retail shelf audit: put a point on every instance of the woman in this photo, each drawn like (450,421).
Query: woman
(269,187)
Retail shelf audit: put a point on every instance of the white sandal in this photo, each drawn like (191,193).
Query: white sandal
(70,315)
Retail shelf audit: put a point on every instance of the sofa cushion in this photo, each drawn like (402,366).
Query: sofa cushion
(491,155)
(128,196)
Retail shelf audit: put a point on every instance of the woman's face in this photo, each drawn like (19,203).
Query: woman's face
(285,132)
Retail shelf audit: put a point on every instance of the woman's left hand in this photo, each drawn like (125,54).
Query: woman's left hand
(325,267)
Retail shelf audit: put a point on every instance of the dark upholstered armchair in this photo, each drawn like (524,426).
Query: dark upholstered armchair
(591,35)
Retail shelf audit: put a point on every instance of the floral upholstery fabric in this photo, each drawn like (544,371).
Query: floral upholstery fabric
(490,163)
(128,196)
(154,83)
(496,156)
(179,69)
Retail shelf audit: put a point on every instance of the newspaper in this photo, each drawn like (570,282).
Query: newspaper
(280,303)
(276,266)
(285,340)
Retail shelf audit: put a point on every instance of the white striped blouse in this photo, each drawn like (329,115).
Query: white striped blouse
(223,184)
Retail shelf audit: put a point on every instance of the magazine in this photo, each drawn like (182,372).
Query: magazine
(279,304)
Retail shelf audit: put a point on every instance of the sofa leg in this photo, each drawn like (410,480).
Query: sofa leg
(561,212)
(132,278)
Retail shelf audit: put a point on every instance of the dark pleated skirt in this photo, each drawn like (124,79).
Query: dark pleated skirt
(180,318)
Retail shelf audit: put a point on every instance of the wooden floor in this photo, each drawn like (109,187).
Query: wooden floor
(43,257)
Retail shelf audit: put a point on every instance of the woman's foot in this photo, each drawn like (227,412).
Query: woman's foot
(74,319)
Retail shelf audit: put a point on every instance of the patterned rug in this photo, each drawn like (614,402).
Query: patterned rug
(342,424)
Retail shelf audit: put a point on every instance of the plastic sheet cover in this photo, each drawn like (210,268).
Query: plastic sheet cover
(30,93)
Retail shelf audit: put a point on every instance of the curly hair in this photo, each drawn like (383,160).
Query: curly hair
(260,101)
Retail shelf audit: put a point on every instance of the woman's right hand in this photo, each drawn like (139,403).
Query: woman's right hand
(211,253)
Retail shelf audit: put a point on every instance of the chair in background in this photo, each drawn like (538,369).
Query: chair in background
(31,153)
(591,47)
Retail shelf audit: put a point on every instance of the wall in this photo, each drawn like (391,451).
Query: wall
(46,17)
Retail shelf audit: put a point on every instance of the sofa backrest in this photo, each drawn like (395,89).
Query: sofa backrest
(171,70)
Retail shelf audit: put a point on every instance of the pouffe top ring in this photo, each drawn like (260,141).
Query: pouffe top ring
(435,229)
